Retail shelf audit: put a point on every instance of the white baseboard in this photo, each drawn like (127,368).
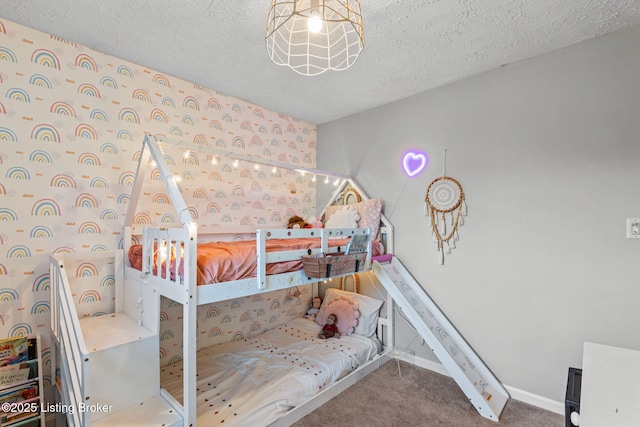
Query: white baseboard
(515,393)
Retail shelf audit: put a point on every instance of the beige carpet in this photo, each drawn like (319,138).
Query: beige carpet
(413,396)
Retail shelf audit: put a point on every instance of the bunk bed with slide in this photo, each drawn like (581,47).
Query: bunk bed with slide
(271,378)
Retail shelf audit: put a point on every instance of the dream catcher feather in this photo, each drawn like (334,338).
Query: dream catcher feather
(446,207)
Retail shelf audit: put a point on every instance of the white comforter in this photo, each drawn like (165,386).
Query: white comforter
(255,381)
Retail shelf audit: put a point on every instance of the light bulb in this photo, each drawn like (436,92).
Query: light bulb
(314,23)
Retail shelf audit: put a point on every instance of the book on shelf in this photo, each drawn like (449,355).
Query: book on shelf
(16,350)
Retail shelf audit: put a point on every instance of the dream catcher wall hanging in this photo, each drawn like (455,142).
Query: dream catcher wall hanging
(446,207)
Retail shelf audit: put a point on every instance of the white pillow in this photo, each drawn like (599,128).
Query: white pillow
(369,309)
(344,218)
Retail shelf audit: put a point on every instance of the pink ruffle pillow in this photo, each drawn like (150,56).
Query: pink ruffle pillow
(347,311)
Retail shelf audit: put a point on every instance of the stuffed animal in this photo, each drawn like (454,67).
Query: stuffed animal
(330,329)
(297,222)
(315,222)
(316,302)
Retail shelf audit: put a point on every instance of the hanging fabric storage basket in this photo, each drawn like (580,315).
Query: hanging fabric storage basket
(322,266)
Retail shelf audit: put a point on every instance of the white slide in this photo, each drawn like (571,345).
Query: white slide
(477,382)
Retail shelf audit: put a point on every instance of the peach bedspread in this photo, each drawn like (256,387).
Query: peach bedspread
(227,261)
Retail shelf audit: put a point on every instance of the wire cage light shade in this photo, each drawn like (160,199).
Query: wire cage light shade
(313,36)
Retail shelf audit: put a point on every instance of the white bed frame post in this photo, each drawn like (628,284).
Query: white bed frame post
(188,299)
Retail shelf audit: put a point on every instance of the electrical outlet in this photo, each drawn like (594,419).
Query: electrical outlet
(633,228)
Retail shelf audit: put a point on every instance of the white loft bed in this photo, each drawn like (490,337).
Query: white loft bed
(178,280)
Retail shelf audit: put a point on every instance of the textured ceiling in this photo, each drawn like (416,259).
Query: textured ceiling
(411,46)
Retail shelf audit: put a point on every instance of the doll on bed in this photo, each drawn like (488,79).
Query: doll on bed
(330,329)
(312,314)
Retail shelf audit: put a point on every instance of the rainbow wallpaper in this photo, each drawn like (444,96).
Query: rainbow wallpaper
(72,122)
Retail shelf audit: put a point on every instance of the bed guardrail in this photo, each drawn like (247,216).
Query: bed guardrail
(169,255)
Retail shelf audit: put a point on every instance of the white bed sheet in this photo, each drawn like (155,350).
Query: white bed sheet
(255,381)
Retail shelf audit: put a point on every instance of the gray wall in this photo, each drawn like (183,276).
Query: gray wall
(548,154)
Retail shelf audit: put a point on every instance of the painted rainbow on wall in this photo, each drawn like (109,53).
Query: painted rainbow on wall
(129,115)
(86,269)
(167,335)
(141,95)
(188,120)
(125,135)
(89,296)
(20,330)
(108,281)
(238,142)
(108,81)
(39,80)
(18,172)
(191,159)
(108,215)
(215,124)
(40,232)
(256,141)
(200,193)
(9,294)
(7,214)
(174,359)
(40,307)
(159,116)
(168,102)
(258,113)
(235,206)
(127,178)
(89,227)
(142,219)
(99,182)
(215,176)
(45,132)
(161,199)
(214,332)
(212,311)
(63,109)
(40,156)
(161,79)
(214,104)
(7,54)
(123,70)
(255,326)
(45,207)
(86,200)
(18,94)
(19,251)
(200,139)
(41,283)
(194,213)
(108,148)
(238,336)
(84,130)
(167,219)
(89,90)
(90,159)
(191,103)
(246,125)
(175,131)
(213,208)
(86,62)
(99,115)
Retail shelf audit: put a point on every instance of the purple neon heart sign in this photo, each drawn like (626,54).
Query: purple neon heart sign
(414,162)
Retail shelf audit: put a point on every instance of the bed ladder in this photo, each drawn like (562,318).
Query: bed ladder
(477,382)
